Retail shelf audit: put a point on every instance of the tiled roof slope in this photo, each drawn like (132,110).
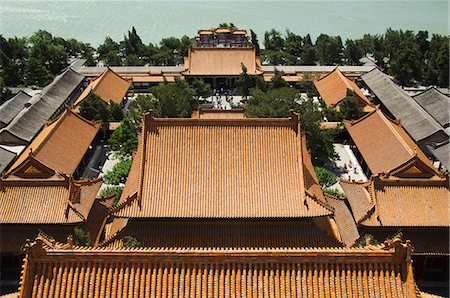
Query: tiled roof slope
(50,270)
(226,234)
(108,86)
(333,88)
(417,122)
(221,61)
(62,143)
(27,123)
(436,104)
(6,157)
(344,220)
(12,107)
(46,198)
(383,143)
(221,168)
(400,202)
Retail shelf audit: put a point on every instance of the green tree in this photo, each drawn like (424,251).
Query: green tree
(437,67)
(13,58)
(94,108)
(319,141)
(353,52)
(5,93)
(109,52)
(329,49)
(273,41)
(405,65)
(119,172)
(124,139)
(174,101)
(274,103)
(81,237)
(46,59)
(201,88)
(141,105)
(277,80)
(254,41)
(350,108)
(308,56)
(112,190)
(115,111)
(244,82)
(293,44)
(325,177)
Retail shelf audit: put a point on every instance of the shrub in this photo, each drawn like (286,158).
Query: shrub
(326,178)
(130,242)
(112,190)
(119,172)
(81,237)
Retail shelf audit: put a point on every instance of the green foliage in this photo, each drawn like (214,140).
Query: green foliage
(274,103)
(94,108)
(254,41)
(130,242)
(273,40)
(228,25)
(245,82)
(319,141)
(329,49)
(81,237)
(364,239)
(349,107)
(352,52)
(111,190)
(334,192)
(405,63)
(201,88)
(326,178)
(115,111)
(5,93)
(124,138)
(277,80)
(109,52)
(119,172)
(141,105)
(174,101)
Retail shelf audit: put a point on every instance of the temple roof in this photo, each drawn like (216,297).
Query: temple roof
(12,107)
(333,88)
(222,168)
(62,143)
(388,147)
(35,194)
(436,104)
(216,61)
(109,86)
(221,234)
(218,114)
(399,202)
(45,105)
(52,268)
(416,121)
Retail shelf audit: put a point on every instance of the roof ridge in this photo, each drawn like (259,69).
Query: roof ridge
(329,73)
(356,121)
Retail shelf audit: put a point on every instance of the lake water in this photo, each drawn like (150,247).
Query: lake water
(91,21)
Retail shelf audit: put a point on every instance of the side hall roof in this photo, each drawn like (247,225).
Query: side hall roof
(28,122)
(62,143)
(6,158)
(109,86)
(12,107)
(385,145)
(333,88)
(417,122)
(35,194)
(222,168)
(399,202)
(216,61)
(52,269)
(436,104)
